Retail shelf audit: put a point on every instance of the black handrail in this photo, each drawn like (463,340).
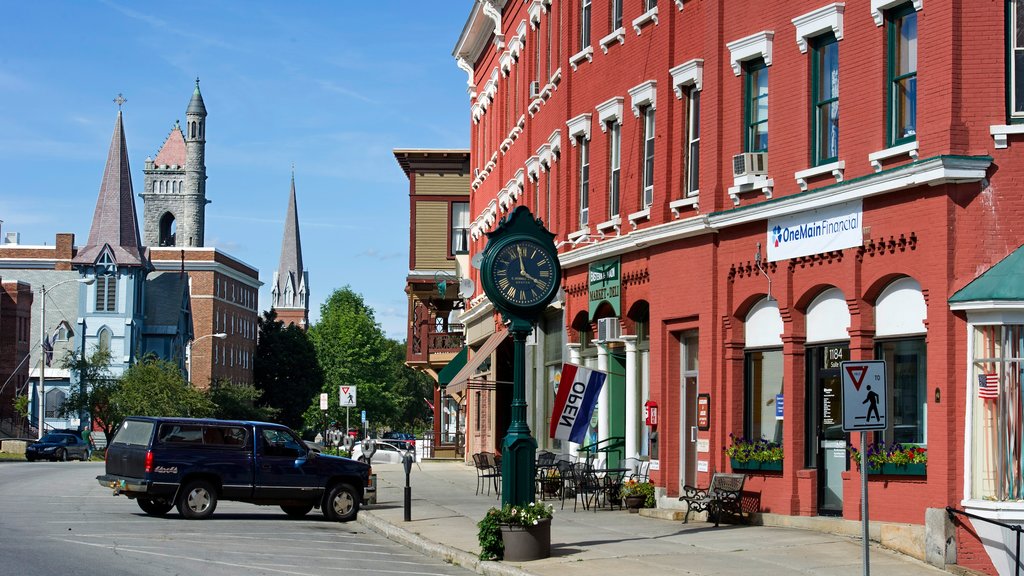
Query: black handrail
(1014,527)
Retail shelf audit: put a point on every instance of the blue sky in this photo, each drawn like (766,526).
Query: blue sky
(332,87)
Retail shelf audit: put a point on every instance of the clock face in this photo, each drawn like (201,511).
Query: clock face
(524,273)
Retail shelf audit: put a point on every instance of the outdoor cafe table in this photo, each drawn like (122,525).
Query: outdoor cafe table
(610,480)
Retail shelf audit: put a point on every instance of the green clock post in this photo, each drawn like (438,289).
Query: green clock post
(520,275)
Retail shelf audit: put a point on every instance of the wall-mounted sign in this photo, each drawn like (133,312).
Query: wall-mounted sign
(703,445)
(703,412)
(651,413)
(604,283)
(816,231)
(779,407)
(702,465)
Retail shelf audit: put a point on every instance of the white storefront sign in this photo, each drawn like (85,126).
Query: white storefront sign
(816,231)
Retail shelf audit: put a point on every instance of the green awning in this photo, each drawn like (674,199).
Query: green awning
(448,372)
(1002,282)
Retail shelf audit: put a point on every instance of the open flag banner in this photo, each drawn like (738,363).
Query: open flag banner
(988,386)
(577,395)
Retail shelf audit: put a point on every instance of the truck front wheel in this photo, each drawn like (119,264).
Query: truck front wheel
(342,503)
(297,510)
(197,500)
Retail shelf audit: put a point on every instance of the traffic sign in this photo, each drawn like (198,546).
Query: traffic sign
(323,401)
(864,395)
(347,395)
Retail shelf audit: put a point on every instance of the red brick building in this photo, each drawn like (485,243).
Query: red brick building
(15,319)
(743,200)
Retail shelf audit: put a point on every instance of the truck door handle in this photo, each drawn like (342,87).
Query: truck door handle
(265,466)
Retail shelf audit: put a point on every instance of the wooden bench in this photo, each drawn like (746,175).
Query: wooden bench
(723,495)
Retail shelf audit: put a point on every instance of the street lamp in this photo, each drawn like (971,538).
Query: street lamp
(217,335)
(43,290)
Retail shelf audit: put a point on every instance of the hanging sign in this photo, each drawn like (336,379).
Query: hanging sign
(604,282)
(577,396)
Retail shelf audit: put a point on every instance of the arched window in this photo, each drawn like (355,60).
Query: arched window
(54,400)
(106,284)
(763,371)
(192,129)
(104,339)
(900,314)
(168,230)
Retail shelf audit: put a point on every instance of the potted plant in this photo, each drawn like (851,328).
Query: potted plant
(516,533)
(551,482)
(760,454)
(637,494)
(895,458)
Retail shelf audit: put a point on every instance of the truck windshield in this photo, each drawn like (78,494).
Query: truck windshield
(134,433)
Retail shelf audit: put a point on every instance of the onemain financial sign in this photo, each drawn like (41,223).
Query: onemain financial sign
(816,231)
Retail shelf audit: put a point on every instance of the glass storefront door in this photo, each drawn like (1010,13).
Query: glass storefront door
(826,442)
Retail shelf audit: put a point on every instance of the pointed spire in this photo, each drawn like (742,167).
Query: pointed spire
(196,106)
(113,222)
(290,290)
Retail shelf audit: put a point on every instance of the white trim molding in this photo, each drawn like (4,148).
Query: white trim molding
(544,154)
(649,16)
(757,45)
(877,6)
(825,19)
(687,74)
(466,67)
(533,168)
(492,9)
(555,142)
(505,63)
(636,217)
(750,183)
(679,4)
(609,111)
(875,158)
(576,59)
(613,224)
(579,127)
(643,95)
(677,205)
(836,168)
(1001,132)
(617,34)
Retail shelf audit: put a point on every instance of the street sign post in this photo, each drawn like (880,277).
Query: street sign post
(347,398)
(864,395)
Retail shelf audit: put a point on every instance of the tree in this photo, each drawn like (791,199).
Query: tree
(238,402)
(92,394)
(285,369)
(154,387)
(353,351)
(413,386)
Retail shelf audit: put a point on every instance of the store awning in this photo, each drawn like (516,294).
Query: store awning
(1000,283)
(460,382)
(444,377)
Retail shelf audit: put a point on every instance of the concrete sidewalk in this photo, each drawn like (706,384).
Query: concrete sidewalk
(445,511)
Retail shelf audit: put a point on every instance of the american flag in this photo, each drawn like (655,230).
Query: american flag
(988,386)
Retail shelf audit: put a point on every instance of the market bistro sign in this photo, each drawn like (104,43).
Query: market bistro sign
(816,231)
(604,281)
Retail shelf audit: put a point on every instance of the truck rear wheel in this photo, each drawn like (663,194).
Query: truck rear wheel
(341,504)
(155,506)
(197,500)
(297,511)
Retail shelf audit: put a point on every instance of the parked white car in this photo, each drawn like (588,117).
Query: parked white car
(386,452)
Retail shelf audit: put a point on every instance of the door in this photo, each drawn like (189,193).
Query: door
(688,410)
(284,468)
(827,446)
(617,406)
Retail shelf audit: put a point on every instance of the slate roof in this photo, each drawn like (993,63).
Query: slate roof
(290,267)
(172,153)
(114,223)
(1000,282)
(195,105)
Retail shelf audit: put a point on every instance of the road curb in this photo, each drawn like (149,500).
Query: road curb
(433,549)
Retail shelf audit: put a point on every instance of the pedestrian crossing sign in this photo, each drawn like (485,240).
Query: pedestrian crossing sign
(864,395)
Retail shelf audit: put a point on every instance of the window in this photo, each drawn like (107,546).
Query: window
(825,100)
(650,4)
(614,166)
(460,228)
(106,284)
(1015,45)
(584,147)
(997,470)
(902,72)
(905,363)
(553,335)
(54,401)
(756,106)
(104,339)
(584,23)
(692,160)
(763,374)
(616,14)
(648,157)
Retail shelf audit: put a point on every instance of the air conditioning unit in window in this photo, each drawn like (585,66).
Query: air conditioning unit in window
(608,329)
(750,164)
(534,89)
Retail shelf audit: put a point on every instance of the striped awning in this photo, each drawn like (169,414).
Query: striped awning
(460,382)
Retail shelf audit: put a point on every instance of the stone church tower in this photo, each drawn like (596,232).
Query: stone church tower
(174,197)
(289,293)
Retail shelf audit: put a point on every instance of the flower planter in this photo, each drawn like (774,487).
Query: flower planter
(635,503)
(525,543)
(917,469)
(756,466)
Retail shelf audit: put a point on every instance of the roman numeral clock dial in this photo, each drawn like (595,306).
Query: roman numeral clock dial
(524,274)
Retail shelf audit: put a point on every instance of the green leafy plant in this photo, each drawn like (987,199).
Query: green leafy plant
(489,533)
(633,487)
(748,450)
(880,453)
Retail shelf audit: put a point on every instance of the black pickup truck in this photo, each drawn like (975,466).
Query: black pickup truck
(192,463)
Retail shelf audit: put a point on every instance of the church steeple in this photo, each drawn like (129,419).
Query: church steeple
(113,222)
(290,290)
(195,169)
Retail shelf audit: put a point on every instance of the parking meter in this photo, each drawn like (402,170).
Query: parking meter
(369,448)
(407,459)
(347,442)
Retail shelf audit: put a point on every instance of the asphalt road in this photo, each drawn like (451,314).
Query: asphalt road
(56,519)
